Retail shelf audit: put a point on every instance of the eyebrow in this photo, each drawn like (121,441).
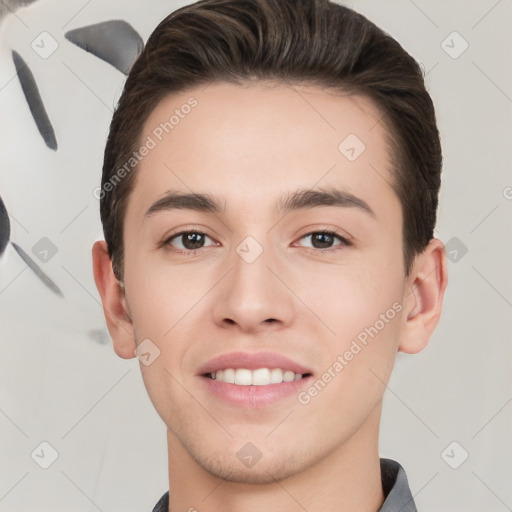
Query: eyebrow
(298,200)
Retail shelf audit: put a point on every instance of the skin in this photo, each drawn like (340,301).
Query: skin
(248,145)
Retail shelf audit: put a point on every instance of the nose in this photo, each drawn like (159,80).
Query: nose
(254,294)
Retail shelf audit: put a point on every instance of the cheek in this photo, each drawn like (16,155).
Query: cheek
(349,299)
(365,315)
(161,295)
(362,307)
(165,302)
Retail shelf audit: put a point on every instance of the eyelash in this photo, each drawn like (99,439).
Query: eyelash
(192,252)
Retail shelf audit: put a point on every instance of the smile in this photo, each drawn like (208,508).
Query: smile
(258,377)
(253,380)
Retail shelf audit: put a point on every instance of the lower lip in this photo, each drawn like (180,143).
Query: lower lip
(254,396)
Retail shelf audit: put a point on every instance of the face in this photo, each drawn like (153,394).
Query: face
(291,265)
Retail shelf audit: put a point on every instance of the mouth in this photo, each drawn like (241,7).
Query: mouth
(258,377)
(253,380)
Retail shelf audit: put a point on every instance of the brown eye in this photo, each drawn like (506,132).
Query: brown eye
(325,240)
(187,240)
(322,240)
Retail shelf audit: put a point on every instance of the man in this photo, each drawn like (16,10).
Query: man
(269,196)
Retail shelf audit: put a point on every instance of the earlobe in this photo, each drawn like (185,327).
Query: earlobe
(115,306)
(423,303)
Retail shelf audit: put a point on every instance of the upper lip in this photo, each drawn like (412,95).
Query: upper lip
(251,361)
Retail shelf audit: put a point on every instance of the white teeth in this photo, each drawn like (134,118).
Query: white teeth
(288,376)
(228,376)
(276,376)
(259,377)
(242,377)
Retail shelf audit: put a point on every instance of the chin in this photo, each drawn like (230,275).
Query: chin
(263,472)
(265,469)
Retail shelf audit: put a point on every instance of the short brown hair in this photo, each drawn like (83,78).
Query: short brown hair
(314,42)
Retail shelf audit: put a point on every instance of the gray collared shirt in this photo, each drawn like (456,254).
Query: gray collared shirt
(398,497)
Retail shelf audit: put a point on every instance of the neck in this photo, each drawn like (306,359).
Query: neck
(347,479)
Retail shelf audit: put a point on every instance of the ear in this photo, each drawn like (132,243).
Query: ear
(115,306)
(424,297)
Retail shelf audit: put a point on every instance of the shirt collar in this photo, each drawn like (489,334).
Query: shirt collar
(396,488)
(398,497)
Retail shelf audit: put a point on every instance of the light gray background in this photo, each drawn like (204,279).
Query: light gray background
(60,380)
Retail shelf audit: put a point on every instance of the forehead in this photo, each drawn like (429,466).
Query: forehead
(245,143)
